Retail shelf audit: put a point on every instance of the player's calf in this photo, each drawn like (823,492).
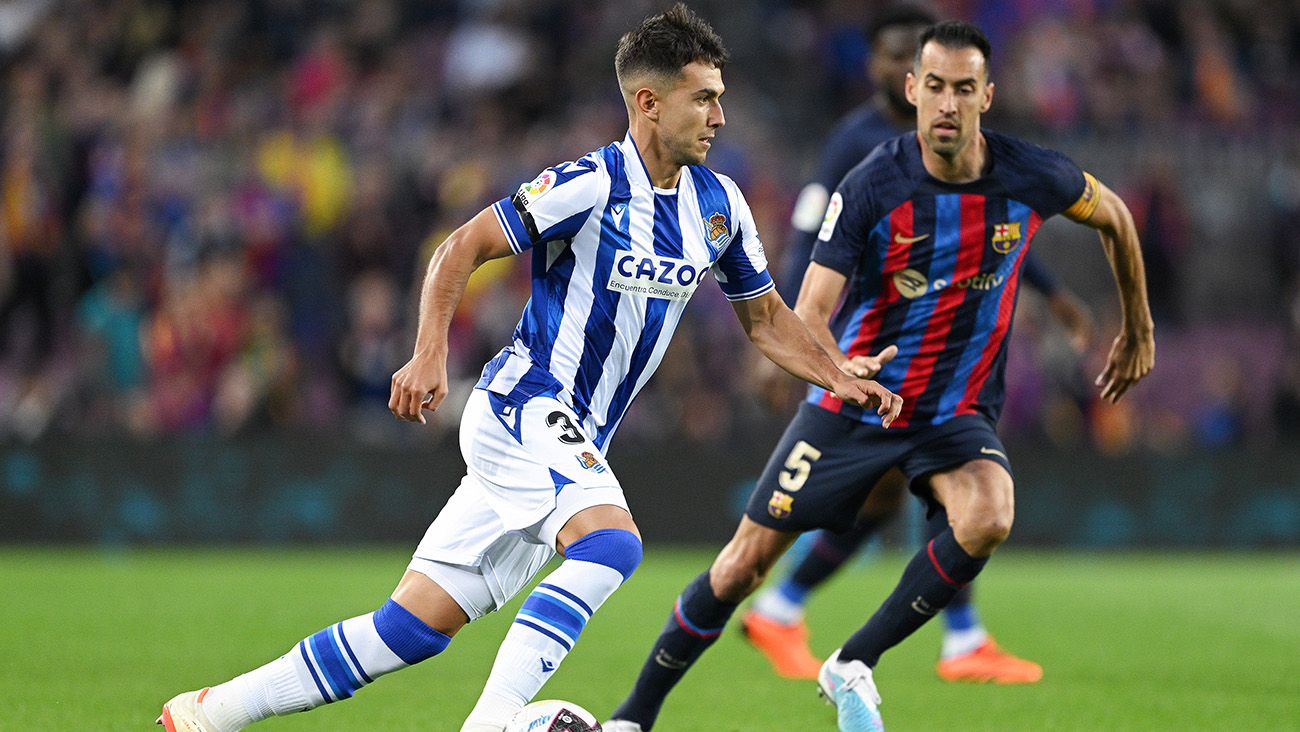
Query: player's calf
(551,619)
(744,562)
(326,667)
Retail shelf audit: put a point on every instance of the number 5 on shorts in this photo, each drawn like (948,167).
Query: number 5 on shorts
(798,465)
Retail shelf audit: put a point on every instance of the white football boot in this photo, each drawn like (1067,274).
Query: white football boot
(849,686)
(184,713)
(620,725)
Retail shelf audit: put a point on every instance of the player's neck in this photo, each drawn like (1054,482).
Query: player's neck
(659,165)
(964,167)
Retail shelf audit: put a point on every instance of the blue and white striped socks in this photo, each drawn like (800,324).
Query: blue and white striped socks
(325,667)
(550,621)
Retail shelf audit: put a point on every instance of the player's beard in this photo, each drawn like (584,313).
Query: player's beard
(685,151)
(950,148)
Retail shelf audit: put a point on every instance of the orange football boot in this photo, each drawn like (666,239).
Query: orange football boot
(785,646)
(989,664)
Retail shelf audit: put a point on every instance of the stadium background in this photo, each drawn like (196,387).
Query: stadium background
(216,215)
(213,218)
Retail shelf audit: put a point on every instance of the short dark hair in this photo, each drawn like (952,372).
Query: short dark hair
(664,43)
(955,34)
(896,16)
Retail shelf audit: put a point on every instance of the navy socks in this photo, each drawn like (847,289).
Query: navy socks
(928,584)
(696,622)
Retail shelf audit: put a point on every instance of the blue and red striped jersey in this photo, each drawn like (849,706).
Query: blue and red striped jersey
(934,268)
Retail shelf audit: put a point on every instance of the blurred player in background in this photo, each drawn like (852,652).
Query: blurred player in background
(620,239)
(775,623)
(920,251)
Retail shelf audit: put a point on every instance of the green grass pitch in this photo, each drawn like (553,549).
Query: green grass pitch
(95,640)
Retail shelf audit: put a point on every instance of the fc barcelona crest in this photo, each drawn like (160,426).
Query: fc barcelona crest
(780,505)
(1006,237)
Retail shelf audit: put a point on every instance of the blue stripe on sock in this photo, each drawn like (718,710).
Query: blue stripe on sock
(350,676)
(793,591)
(960,617)
(544,632)
(331,662)
(302,646)
(347,647)
(570,595)
(555,613)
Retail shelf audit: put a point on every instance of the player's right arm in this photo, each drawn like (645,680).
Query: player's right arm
(422,382)
(553,207)
(818,297)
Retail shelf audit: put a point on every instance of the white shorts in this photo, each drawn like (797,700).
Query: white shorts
(530,470)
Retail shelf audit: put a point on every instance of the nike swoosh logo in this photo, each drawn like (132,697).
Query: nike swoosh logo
(900,239)
(991,451)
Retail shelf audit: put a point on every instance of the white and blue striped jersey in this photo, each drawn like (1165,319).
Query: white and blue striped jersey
(614,262)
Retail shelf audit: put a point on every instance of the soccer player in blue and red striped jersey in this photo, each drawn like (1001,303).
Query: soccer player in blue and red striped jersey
(923,243)
(774,623)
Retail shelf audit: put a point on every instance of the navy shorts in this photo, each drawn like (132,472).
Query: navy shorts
(821,471)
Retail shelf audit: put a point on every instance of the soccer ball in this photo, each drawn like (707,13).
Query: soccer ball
(553,715)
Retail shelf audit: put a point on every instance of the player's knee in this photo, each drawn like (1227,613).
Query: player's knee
(981,533)
(617,549)
(735,575)
(408,637)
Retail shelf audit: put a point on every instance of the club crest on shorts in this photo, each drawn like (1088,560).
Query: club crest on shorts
(718,234)
(590,462)
(780,505)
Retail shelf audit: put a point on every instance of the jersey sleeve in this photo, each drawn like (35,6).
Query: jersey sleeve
(741,269)
(845,227)
(553,206)
(1086,203)
(1065,187)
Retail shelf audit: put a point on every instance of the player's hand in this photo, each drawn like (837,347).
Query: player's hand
(1131,357)
(420,384)
(866,367)
(869,394)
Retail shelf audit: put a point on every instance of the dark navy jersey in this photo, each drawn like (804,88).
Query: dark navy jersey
(934,268)
(851,141)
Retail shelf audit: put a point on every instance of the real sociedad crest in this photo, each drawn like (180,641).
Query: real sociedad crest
(718,234)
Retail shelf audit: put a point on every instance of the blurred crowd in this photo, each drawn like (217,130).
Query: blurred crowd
(215,215)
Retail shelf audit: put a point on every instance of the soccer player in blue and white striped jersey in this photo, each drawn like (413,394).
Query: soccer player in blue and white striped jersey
(619,240)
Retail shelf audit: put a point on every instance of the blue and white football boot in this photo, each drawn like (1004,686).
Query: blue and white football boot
(849,686)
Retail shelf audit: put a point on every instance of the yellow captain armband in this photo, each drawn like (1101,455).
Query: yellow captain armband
(1082,209)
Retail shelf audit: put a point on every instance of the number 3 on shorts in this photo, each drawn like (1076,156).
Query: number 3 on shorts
(798,465)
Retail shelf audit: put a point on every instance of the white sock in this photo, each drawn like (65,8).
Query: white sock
(542,635)
(774,605)
(325,667)
(961,642)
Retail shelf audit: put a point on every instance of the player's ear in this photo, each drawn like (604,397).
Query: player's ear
(647,102)
(909,88)
(988,97)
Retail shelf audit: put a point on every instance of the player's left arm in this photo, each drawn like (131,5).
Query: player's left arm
(1133,353)
(782,337)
